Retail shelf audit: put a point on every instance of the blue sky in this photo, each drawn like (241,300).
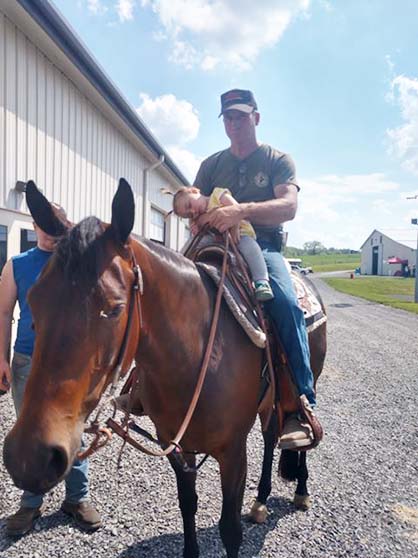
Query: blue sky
(336,83)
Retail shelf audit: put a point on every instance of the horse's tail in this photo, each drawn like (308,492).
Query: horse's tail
(288,465)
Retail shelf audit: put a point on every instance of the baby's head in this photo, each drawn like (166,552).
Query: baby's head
(189,202)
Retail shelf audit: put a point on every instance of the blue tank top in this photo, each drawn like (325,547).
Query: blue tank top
(26,269)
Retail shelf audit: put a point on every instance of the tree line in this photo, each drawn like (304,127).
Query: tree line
(315,247)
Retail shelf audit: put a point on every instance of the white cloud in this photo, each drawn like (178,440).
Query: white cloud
(175,123)
(185,160)
(341,211)
(96,7)
(404,138)
(231,32)
(125,9)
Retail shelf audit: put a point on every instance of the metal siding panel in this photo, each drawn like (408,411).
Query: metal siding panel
(71,180)
(10,115)
(78,207)
(41,117)
(22,113)
(66,189)
(84,208)
(57,195)
(32,112)
(2,111)
(49,143)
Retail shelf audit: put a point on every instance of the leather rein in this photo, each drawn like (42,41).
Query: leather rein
(103,433)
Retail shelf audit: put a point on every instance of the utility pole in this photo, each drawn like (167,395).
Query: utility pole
(415,222)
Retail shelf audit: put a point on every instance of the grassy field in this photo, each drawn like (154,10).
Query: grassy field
(391,291)
(331,262)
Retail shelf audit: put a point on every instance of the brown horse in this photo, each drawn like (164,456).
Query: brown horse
(80,307)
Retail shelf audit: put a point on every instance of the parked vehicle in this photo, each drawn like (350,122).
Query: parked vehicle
(301,270)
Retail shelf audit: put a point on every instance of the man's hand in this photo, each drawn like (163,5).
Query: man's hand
(221,218)
(5,376)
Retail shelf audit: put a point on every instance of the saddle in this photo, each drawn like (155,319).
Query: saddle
(277,388)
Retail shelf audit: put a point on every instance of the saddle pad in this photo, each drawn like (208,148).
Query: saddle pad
(244,316)
(308,302)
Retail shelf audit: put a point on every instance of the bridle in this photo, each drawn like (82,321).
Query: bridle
(101,433)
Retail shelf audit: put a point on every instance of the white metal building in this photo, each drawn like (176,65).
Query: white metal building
(379,249)
(66,126)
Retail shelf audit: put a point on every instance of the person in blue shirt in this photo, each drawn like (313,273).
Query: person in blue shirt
(18,276)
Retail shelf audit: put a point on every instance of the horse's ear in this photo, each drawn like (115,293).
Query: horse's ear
(43,212)
(123,211)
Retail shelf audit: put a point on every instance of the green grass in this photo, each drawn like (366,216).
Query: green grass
(384,290)
(331,262)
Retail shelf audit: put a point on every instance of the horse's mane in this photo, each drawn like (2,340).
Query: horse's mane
(80,251)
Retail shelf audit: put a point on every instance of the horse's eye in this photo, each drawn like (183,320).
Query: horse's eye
(33,326)
(112,312)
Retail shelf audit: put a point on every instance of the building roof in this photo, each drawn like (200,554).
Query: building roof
(55,26)
(406,237)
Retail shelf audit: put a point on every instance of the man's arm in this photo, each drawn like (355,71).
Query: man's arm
(268,213)
(8,297)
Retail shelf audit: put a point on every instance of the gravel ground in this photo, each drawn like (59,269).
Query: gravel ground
(363,476)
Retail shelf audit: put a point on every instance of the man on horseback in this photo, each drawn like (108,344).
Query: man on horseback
(18,276)
(263,181)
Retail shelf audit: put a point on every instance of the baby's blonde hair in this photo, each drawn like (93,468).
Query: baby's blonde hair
(180,194)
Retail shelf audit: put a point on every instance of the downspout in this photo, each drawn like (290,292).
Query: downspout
(145,194)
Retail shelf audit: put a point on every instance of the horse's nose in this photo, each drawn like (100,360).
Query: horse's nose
(35,468)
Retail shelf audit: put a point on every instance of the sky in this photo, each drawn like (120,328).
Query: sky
(336,84)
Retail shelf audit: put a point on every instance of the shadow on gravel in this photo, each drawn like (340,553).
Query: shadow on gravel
(209,540)
(44,523)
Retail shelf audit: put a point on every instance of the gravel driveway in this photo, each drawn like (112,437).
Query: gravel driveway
(363,476)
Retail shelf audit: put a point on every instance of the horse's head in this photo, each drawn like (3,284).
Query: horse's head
(80,307)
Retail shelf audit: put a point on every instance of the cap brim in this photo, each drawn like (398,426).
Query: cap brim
(241,107)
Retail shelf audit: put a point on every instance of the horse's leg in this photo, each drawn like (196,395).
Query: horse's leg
(233,469)
(258,512)
(292,467)
(302,499)
(186,488)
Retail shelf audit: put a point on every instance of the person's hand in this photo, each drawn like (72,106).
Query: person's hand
(5,376)
(221,218)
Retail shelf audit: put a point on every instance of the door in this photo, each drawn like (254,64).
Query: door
(375,260)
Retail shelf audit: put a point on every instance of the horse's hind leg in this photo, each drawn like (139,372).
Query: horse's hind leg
(292,467)
(186,488)
(302,499)
(233,468)
(258,512)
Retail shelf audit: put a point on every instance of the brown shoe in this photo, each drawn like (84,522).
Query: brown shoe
(296,434)
(84,514)
(22,521)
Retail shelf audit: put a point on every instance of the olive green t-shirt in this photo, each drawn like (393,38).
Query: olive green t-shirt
(249,179)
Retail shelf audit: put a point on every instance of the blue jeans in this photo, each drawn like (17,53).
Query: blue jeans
(76,482)
(289,321)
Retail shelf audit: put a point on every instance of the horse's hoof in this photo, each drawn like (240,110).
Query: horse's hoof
(258,513)
(302,501)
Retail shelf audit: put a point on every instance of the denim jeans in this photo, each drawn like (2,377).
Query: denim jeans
(289,320)
(76,482)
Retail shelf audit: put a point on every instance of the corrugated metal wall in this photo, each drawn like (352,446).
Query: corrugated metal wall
(52,133)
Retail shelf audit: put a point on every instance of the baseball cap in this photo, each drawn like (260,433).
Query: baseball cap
(238,99)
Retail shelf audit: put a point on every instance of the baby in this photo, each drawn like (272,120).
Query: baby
(190,203)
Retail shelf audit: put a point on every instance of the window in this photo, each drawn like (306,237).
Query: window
(3,246)
(157,228)
(27,240)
